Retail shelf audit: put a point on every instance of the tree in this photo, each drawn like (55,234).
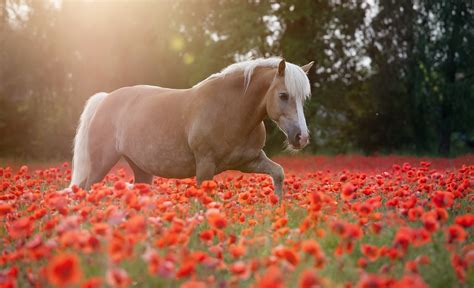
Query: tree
(389,76)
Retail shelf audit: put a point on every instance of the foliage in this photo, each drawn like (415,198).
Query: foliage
(390,76)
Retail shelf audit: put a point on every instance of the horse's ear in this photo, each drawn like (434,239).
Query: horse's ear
(281,68)
(307,67)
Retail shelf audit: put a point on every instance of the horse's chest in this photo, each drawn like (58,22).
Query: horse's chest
(238,157)
(240,153)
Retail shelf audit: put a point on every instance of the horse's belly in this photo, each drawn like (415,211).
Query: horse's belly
(174,168)
(168,163)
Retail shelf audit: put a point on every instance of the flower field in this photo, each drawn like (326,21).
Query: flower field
(345,221)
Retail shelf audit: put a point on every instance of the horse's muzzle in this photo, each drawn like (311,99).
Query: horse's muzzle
(297,139)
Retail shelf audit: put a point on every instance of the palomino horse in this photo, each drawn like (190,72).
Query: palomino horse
(216,125)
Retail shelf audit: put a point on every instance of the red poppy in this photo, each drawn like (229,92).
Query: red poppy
(455,233)
(216,219)
(238,268)
(206,235)
(348,191)
(120,185)
(94,282)
(208,185)
(64,269)
(443,199)
(273,278)
(118,278)
(465,221)
(309,279)
(371,252)
(5,209)
(119,248)
(311,247)
(186,269)
(403,238)
(20,228)
(412,281)
(372,281)
(237,251)
(136,224)
(194,284)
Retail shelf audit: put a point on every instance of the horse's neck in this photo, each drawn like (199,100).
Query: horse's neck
(228,108)
(249,106)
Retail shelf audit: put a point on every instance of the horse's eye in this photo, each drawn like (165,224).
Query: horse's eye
(284,96)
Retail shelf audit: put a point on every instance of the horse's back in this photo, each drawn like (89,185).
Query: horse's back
(125,95)
(148,125)
(122,105)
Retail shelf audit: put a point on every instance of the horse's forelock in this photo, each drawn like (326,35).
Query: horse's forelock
(296,80)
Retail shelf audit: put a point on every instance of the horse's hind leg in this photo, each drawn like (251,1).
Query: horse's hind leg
(102,160)
(140,176)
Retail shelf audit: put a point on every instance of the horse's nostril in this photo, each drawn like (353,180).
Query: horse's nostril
(298,137)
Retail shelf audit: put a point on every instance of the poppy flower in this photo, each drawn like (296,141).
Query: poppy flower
(430,223)
(274,199)
(348,191)
(362,263)
(136,224)
(193,284)
(208,185)
(64,269)
(403,237)
(455,233)
(120,185)
(238,268)
(118,278)
(309,279)
(237,250)
(459,265)
(186,269)
(412,281)
(20,228)
(311,247)
(119,248)
(216,219)
(443,199)
(5,209)
(371,252)
(273,278)
(206,235)
(94,282)
(465,221)
(372,281)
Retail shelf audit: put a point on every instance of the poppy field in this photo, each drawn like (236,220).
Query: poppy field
(344,221)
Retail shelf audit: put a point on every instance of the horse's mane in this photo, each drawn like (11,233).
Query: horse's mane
(296,80)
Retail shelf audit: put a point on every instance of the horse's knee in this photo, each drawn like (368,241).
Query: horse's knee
(278,174)
(143,177)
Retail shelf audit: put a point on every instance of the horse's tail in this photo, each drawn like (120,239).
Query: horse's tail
(81,160)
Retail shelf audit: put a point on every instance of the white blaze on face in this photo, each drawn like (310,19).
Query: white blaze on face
(302,123)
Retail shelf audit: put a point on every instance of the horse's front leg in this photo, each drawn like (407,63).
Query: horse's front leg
(205,169)
(262,164)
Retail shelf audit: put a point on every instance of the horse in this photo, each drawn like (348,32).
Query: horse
(214,126)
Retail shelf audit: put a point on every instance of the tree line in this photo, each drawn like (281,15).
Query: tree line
(389,76)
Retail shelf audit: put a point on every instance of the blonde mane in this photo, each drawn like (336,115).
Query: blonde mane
(296,80)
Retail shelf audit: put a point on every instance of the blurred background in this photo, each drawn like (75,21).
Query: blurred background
(389,76)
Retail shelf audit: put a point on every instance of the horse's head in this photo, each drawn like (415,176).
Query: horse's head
(285,99)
